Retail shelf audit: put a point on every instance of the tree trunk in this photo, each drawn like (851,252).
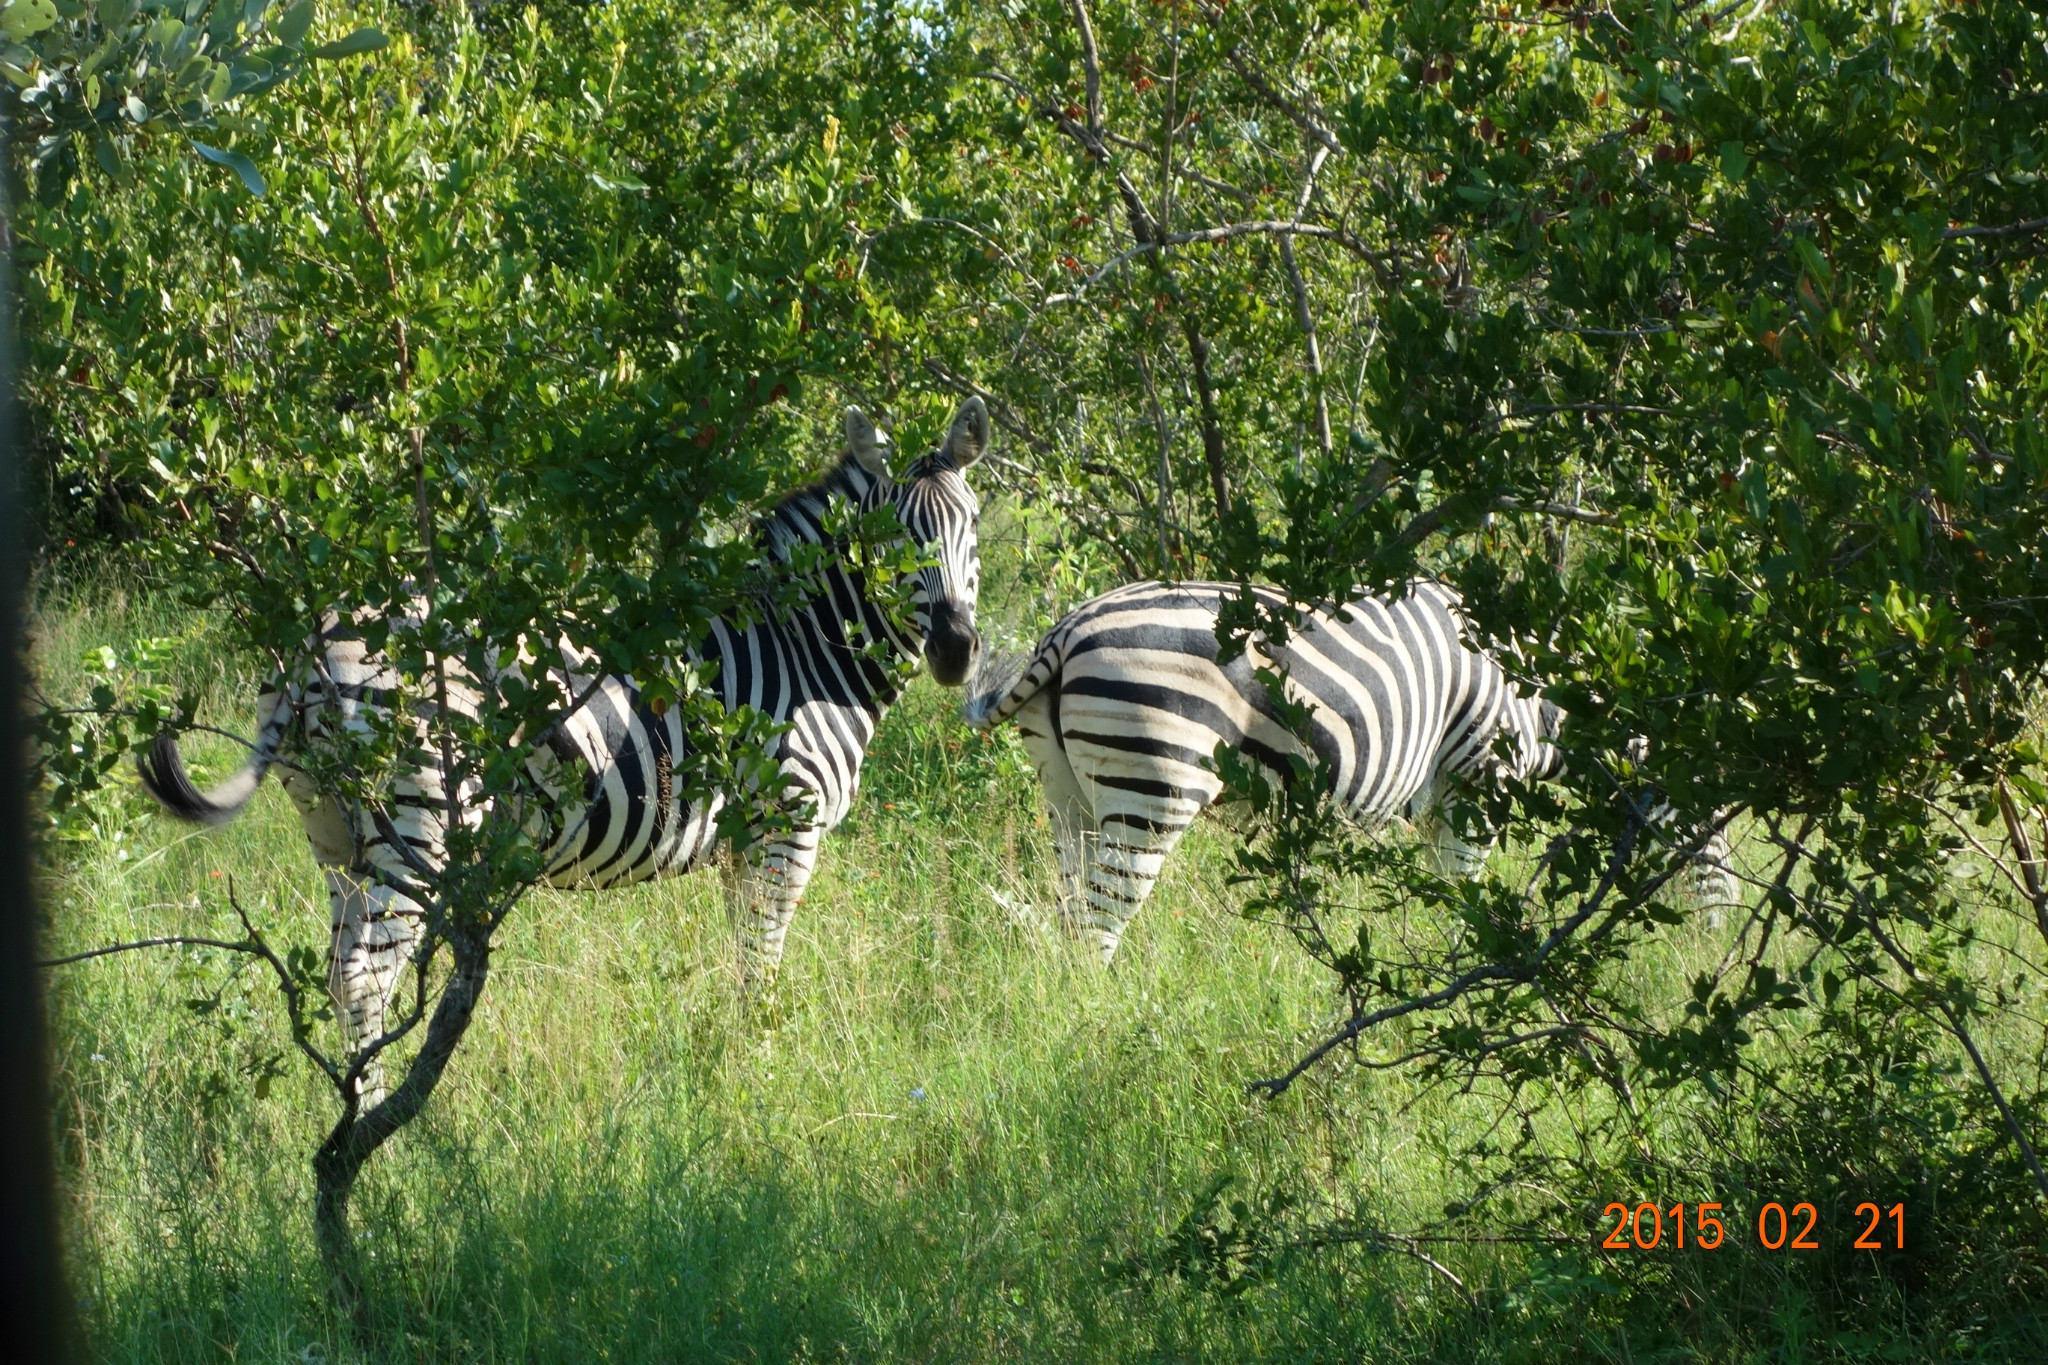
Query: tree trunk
(356,1136)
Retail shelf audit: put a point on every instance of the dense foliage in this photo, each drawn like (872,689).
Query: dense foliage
(1697,345)
(501,352)
(1698,350)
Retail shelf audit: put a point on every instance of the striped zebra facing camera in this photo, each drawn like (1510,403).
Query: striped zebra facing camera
(618,816)
(1123,704)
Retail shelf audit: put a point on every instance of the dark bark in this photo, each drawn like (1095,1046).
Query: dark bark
(35,1310)
(356,1135)
(1212,423)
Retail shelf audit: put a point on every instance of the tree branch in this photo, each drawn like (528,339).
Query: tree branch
(2032,225)
(1265,90)
(1563,511)
(1510,973)
(1550,409)
(1303,317)
(1212,421)
(1222,233)
(1091,66)
(168,941)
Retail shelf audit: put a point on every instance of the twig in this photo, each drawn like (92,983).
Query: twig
(1962,1035)
(1389,1241)
(1548,409)
(2029,860)
(1091,65)
(1303,317)
(1563,511)
(2009,230)
(1265,91)
(1956,1027)
(1506,973)
(168,941)
(1181,169)
(1005,416)
(301,1030)
(1221,233)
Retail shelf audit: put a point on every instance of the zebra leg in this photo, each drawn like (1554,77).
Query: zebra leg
(1121,874)
(1454,855)
(1711,878)
(374,930)
(771,886)
(1075,840)
(1073,817)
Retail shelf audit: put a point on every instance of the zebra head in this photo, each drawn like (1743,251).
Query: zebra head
(942,517)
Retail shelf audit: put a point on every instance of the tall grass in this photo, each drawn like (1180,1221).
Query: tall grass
(952,1136)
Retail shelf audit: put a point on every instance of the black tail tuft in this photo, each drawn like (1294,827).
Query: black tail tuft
(164,777)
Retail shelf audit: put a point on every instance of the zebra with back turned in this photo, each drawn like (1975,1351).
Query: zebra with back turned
(627,820)
(1124,702)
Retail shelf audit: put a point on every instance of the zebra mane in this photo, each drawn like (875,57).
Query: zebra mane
(797,515)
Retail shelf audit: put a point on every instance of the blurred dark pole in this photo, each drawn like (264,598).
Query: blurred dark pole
(34,1311)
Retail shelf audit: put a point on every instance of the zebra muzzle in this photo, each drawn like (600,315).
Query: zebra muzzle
(951,644)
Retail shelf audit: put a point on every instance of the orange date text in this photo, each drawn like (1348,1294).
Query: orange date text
(1706,1227)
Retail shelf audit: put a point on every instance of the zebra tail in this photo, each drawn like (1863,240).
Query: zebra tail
(1001,684)
(163,775)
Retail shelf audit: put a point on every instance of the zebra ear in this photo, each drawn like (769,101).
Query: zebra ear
(867,443)
(969,437)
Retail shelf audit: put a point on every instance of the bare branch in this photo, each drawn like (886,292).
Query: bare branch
(1550,409)
(1180,168)
(1961,1031)
(1502,973)
(1303,317)
(1212,421)
(1265,90)
(1091,65)
(1006,416)
(2032,225)
(1563,511)
(2029,860)
(168,941)
(1223,233)
(302,1028)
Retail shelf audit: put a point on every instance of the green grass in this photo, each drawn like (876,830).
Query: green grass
(952,1138)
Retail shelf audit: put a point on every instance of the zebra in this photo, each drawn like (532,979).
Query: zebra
(1124,702)
(628,819)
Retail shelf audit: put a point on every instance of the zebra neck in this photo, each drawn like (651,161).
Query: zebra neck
(870,649)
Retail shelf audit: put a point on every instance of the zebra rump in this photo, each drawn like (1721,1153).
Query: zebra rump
(1124,703)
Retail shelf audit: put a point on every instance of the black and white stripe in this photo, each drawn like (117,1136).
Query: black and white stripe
(614,811)
(1124,703)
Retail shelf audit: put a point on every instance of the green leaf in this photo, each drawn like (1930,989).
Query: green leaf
(294,23)
(250,73)
(22,19)
(115,14)
(1734,161)
(362,40)
(236,162)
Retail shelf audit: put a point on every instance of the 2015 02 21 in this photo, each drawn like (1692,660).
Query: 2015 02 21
(1644,1227)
